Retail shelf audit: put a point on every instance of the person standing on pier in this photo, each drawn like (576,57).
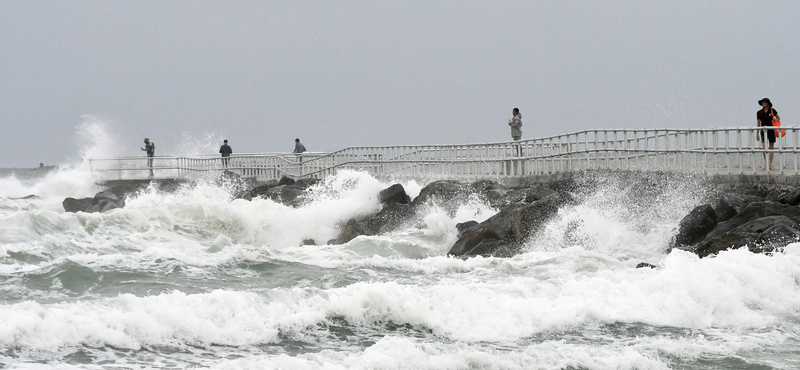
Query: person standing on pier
(226,152)
(299,149)
(150,148)
(516,127)
(764,117)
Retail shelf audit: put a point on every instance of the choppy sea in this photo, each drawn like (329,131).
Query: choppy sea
(195,279)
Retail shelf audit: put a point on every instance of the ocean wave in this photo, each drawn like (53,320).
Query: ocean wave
(737,290)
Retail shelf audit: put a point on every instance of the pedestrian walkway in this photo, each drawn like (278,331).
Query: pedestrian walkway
(714,151)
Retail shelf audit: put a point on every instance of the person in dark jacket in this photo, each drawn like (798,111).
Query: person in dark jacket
(150,148)
(226,152)
(764,118)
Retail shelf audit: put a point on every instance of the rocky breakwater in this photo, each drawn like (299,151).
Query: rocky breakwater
(522,211)
(761,218)
(286,190)
(114,196)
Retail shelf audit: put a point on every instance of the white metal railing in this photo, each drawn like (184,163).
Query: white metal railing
(708,151)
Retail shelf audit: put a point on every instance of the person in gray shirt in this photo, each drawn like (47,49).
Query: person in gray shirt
(299,148)
(516,125)
(516,128)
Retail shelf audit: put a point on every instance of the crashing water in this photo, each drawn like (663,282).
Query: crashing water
(195,279)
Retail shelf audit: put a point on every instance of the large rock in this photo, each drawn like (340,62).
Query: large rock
(261,191)
(464,226)
(753,211)
(106,200)
(724,209)
(306,183)
(286,181)
(352,229)
(478,240)
(740,201)
(106,195)
(793,198)
(531,217)
(504,233)
(390,217)
(394,194)
(695,226)
(121,191)
(77,205)
(105,205)
(289,195)
(439,191)
(759,235)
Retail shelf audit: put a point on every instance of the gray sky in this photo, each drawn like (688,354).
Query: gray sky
(345,73)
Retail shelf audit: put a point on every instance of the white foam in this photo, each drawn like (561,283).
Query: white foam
(401,353)
(736,290)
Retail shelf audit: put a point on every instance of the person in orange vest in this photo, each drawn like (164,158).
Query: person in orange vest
(765,116)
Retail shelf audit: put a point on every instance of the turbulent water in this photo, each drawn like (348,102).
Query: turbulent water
(196,279)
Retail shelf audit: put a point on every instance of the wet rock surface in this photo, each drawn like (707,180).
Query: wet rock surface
(760,218)
(106,200)
(696,225)
(505,233)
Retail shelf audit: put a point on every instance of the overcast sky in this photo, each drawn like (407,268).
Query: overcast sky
(345,73)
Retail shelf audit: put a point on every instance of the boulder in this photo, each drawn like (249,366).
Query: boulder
(762,234)
(645,264)
(793,198)
(105,205)
(286,181)
(306,183)
(122,191)
(488,189)
(753,211)
(464,226)
(234,180)
(106,195)
(309,242)
(390,217)
(531,217)
(695,226)
(352,229)
(478,240)
(498,195)
(261,191)
(289,195)
(740,201)
(77,205)
(394,194)
(777,236)
(439,191)
(723,209)
(504,233)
